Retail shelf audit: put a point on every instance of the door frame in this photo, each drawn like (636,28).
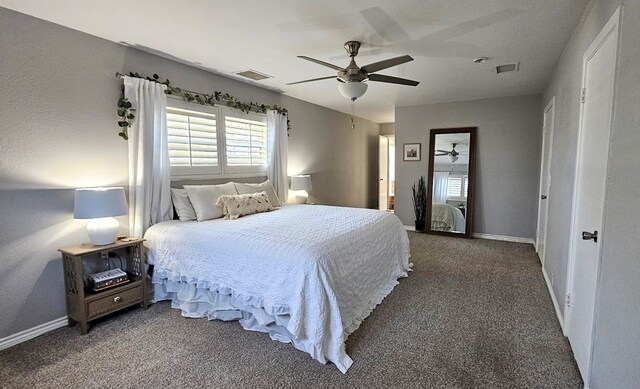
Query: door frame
(611,27)
(386,178)
(551,108)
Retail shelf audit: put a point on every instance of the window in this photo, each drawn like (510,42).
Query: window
(193,141)
(457,187)
(207,140)
(246,142)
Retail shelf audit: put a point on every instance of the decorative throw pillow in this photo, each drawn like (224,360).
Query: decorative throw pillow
(257,188)
(244,204)
(204,198)
(182,204)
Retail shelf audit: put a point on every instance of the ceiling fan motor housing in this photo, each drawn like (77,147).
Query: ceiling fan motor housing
(352,48)
(352,73)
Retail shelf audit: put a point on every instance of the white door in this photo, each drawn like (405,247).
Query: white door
(545,177)
(391,176)
(589,191)
(383,184)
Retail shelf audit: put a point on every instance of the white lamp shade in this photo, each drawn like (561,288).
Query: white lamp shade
(92,203)
(301,182)
(352,90)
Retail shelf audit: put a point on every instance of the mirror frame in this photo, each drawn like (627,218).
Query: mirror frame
(471,177)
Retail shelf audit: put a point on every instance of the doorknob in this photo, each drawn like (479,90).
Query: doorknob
(543,197)
(586,235)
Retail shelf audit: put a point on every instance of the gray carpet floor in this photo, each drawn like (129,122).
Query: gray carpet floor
(473,314)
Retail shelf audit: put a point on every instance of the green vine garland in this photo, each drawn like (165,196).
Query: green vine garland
(126,116)
(125,112)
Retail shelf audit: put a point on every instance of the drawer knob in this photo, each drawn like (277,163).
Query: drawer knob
(117,299)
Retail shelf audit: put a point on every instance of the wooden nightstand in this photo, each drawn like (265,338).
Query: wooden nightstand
(84,304)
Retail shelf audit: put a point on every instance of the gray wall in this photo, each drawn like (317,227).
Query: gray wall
(507,160)
(58,132)
(616,354)
(342,162)
(387,128)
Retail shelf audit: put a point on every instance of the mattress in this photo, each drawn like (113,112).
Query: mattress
(305,274)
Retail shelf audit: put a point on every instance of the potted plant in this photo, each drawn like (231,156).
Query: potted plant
(419,196)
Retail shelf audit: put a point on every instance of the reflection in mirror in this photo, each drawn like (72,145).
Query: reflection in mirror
(450,180)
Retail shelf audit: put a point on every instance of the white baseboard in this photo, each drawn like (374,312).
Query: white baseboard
(555,301)
(479,235)
(505,238)
(31,333)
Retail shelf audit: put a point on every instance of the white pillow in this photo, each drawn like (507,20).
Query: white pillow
(244,204)
(257,188)
(183,206)
(204,198)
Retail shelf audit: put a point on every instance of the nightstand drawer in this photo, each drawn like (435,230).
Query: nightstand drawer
(114,301)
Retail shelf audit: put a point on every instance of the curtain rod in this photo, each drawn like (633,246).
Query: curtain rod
(120,76)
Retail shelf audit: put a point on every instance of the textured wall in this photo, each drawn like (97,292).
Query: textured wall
(565,85)
(57,129)
(507,160)
(387,128)
(342,162)
(58,132)
(616,358)
(616,355)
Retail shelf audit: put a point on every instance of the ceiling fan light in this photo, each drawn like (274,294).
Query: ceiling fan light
(453,158)
(352,90)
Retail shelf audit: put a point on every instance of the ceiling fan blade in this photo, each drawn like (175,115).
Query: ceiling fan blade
(440,154)
(443,151)
(392,80)
(313,79)
(327,64)
(387,63)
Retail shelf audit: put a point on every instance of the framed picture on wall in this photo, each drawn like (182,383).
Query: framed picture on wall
(411,152)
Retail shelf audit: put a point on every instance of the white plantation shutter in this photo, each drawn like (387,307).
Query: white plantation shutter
(246,141)
(215,141)
(458,187)
(193,139)
(455,184)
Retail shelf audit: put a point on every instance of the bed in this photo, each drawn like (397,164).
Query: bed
(305,274)
(445,217)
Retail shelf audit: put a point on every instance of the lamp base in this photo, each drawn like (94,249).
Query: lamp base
(301,197)
(103,231)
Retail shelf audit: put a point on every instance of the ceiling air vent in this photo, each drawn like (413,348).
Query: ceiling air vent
(252,74)
(508,67)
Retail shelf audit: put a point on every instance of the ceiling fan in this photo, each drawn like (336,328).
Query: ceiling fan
(453,154)
(353,78)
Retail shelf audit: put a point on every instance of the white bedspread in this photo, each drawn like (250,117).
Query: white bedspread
(445,217)
(306,274)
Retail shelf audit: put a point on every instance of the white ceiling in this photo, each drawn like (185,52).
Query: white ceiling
(443,36)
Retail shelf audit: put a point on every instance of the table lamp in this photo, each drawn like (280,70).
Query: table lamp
(301,183)
(100,205)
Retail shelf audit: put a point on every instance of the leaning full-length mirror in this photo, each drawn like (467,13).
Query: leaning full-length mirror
(450,181)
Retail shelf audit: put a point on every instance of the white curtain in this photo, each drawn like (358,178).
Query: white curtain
(149,168)
(440,186)
(277,153)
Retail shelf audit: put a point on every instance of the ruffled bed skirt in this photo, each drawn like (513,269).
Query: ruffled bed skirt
(197,301)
